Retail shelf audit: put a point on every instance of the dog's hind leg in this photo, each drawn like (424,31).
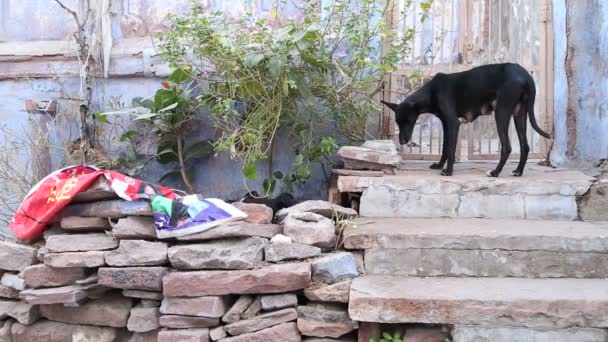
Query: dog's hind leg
(521,123)
(505,104)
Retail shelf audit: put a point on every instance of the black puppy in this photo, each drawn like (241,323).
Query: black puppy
(507,89)
(284,200)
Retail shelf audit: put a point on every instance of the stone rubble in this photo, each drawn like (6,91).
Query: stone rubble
(101,274)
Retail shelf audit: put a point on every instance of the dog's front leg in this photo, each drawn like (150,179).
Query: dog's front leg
(453,127)
(444,155)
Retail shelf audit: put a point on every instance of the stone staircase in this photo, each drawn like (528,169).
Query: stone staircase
(495,260)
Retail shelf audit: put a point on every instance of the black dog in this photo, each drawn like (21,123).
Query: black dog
(507,89)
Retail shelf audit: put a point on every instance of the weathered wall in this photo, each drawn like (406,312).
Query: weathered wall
(581,65)
(37,62)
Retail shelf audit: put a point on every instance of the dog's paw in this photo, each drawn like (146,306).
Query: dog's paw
(445,172)
(517,173)
(492,173)
(435,166)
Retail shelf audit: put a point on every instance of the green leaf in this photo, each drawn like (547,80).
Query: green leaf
(278,175)
(164,98)
(199,150)
(269,185)
(102,117)
(142,102)
(126,135)
(253,59)
(250,171)
(180,75)
(387,336)
(169,107)
(146,116)
(298,160)
(167,153)
(275,66)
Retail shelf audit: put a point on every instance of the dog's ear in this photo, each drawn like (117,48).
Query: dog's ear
(390,105)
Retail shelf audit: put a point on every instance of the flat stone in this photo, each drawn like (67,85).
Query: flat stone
(147,303)
(134,227)
(237,309)
(109,209)
(37,276)
(370,155)
(133,278)
(324,320)
(278,301)
(263,321)
(5,330)
(138,253)
(358,173)
(151,336)
(427,262)
(508,334)
(480,205)
(111,311)
(181,322)
(184,335)
(142,294)
(253,309)
(49,331)
(25,313)
(92,279)
(384,201)
(8,292)
(210,307)
(323,208)
(15,257)
(13,281)
(99,190)
(256,213)
(334,267)
(364,165)
(269,279)
(381,145)
(484,234)
(224,254)
(480,301)
(80,243)
(280,238)
(286,332)
(338,292)
(85,224)
(75,259)
(57,295)
(235,229)
(552,207)
(276,252)
(143,319)
(217,334)
(42,251)
(310,229)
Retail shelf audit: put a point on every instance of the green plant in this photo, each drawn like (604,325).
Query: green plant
(315,74)
(387,337)
(170,113)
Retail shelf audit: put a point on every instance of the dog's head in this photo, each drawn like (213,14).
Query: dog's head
(405,116)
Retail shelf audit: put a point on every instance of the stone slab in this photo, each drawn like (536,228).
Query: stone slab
(138,253)
(310,229)
(109,209)
(134,227)
(143,319)
(237,309)
(112,311)
(275,252)
(286,332)
(133,278)
(256,212)
(37,276)
(13,281)
(150,295)
(263,321)
(75,259)
(324,320)
(431,262)
(15,257)
(80,242)
(98,191)
(536,303)
(85,224)
(236,254)
(338,292)
(49,331)
(235,229)
(510,334)
(8,292)
(210,306)
(334,267)
(370,155)
(278,301)
(217,334)
(269,279)
(182,322)
(359,173)
(323,208)
(56,295)
(484,234)
(184,335)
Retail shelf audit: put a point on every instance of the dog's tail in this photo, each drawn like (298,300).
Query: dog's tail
(531,116)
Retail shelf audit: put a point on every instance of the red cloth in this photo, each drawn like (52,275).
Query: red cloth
(57,190)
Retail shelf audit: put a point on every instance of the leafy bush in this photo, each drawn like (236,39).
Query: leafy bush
(317,75)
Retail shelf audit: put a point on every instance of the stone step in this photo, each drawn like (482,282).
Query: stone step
(517,302)
(416,191)
(481,247)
